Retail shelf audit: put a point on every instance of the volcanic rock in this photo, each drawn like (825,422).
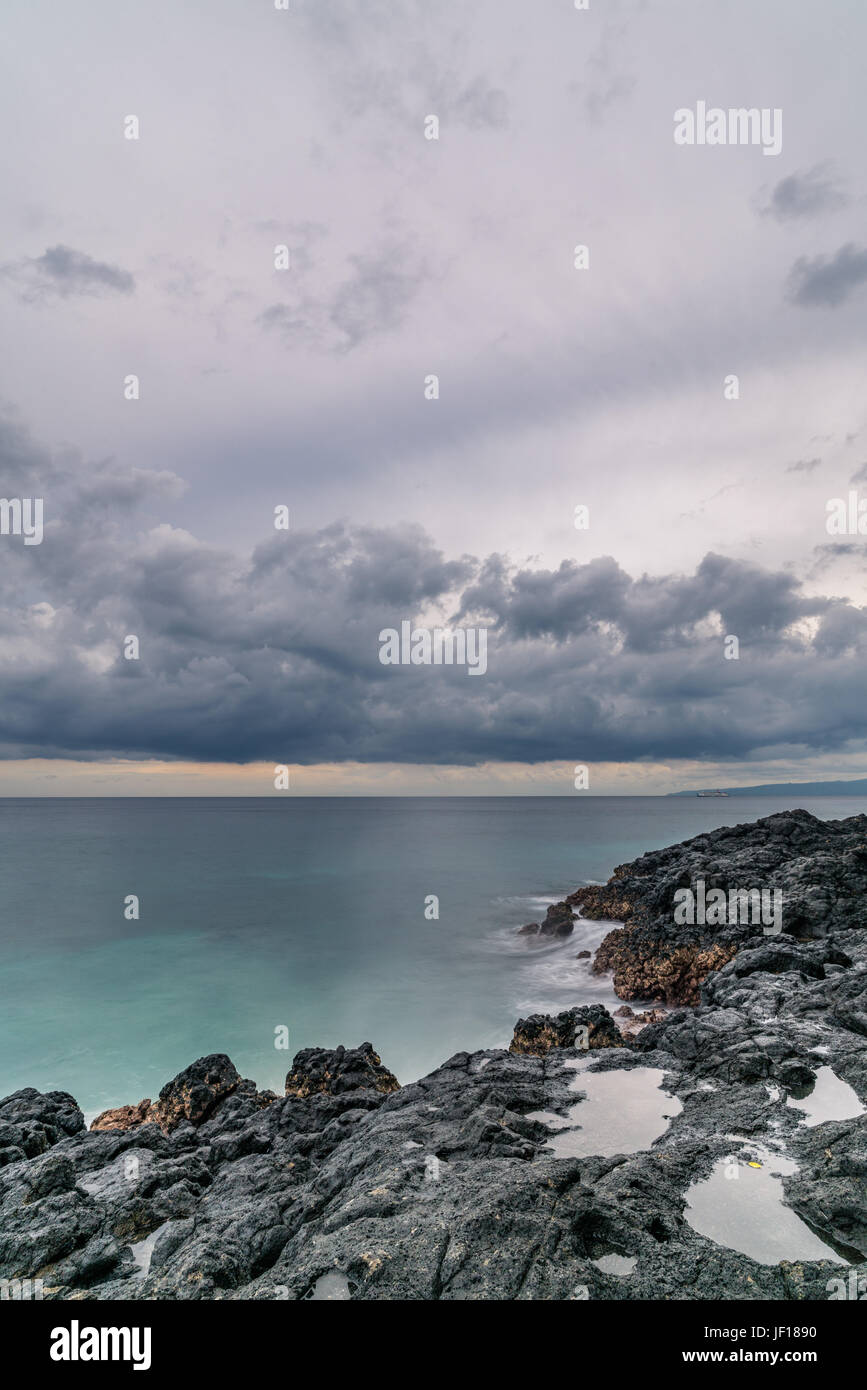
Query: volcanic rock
(537,1034)
(320,1070)
(820,868)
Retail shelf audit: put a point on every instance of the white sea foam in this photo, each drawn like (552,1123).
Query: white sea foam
(549,977)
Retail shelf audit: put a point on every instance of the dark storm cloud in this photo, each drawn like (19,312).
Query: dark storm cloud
(275,656)
(842,633)
(805,195)
(828,280)
(650,614)
(63,271)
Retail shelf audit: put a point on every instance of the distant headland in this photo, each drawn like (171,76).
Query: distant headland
(858,787)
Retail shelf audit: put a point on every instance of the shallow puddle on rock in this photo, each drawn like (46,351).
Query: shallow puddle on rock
(620,1265)
(333,1286)
(141,1253)
(829,1099)
(622,1113)
(741,1207)
(549,1118)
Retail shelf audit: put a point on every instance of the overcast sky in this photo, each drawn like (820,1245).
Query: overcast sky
(305,387)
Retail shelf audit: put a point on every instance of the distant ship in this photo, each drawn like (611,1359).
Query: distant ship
(716,793)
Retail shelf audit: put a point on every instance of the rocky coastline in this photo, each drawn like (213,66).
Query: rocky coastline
(350,1185)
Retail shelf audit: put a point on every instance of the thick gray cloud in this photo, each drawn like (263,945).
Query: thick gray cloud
(275,655)
(62,271)
(828,280)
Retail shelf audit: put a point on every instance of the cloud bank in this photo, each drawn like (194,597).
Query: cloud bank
(274,655)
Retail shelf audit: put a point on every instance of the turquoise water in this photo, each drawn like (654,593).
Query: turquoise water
(306,915)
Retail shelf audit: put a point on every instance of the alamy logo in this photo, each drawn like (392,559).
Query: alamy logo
(22,516)
(739,125)
(857,1289)
(438,646)
(21,1290)
(76,1343)
(846,516)
(740,906)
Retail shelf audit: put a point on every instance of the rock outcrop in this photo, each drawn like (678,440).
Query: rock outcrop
(819,868)
(559,921)
(192,1095)
(317,1070)
(655,969)
(124,1116)
(31,1122)
(537,1034)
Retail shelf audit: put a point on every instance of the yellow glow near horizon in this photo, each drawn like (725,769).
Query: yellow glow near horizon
(40,777)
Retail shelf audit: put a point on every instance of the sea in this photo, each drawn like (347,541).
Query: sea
(269,925)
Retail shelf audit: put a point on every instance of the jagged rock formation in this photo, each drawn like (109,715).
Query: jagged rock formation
(317,1069)
(537,1034)
(190,1096)
(819,867)
(559,921)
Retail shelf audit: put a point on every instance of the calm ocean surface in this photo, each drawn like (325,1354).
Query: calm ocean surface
(303,914)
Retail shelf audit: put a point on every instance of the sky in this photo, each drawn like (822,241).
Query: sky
(259,385)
